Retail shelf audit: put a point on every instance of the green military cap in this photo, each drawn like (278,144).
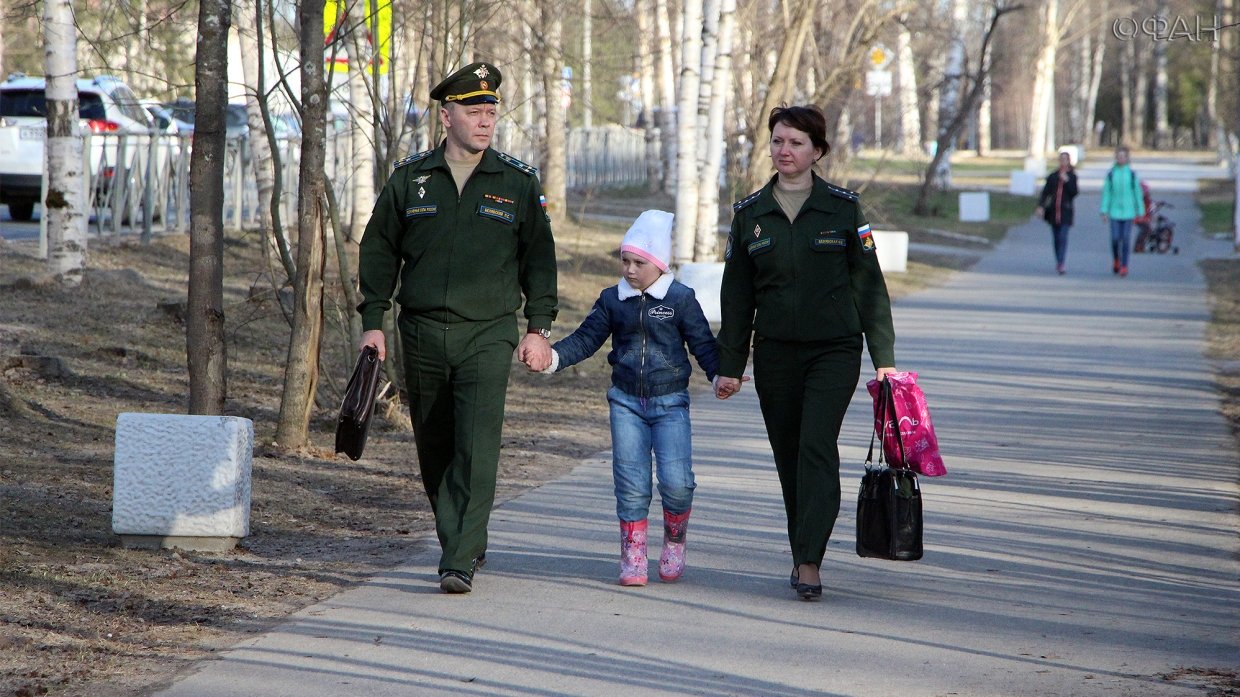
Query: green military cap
(474,84)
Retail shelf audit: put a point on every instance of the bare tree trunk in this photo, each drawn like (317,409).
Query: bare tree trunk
(910,115)
(363,58)
(1127,56)
(949,94)
(204,322)
(708,188)
(1140,97)
(983,119)
(301,371)
(952,123)
(1093,135)
(779,89)
(65,205)
(645,73)
(1043,100)
(555,163)
(667,96)
(1162,123)
(587,87)
(687,132)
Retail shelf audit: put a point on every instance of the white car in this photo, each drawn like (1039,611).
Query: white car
(108,108)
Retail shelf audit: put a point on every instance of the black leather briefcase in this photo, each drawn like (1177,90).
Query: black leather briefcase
(358,404)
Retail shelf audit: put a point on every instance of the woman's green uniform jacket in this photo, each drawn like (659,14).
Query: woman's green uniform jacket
(814,279)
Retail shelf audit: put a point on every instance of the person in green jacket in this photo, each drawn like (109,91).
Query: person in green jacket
(464,232)
(802,280)
(1121,203)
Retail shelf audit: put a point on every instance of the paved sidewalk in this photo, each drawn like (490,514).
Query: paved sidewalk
(1084,542)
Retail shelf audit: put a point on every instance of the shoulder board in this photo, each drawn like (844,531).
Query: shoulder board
(411,159)
(843,193)
(516,164)
(736,207)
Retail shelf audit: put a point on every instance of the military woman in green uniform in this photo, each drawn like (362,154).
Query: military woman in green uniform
(463,229)
(801,280)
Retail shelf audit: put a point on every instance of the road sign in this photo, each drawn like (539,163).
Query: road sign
(878,83)
(880,57)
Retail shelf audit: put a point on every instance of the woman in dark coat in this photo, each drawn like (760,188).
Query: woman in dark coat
(1055,206)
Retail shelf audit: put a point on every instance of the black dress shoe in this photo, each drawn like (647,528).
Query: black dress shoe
(455,582)
(807,592)
(794,579)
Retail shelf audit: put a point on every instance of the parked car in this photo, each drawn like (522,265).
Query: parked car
(235,123)
(106,106)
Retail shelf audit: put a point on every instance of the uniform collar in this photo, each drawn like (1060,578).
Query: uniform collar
(820,198)
(439,160)
(657,290)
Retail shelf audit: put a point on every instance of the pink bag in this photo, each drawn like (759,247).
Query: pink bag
(908,441)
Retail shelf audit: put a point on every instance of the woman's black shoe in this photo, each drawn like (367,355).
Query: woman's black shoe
(794,579)
(808,592)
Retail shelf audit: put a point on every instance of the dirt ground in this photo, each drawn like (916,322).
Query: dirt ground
(79,614)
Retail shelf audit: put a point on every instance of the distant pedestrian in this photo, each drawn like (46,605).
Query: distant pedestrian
(651,318)
(1122,202)
(801,279)
(1055,206)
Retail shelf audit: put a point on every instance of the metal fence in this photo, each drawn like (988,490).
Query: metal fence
(142,183)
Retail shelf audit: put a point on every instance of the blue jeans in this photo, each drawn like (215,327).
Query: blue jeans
(1060,234)
(640,427)
(1120,230)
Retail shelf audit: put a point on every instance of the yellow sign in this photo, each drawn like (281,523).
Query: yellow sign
(879,57)
(378,25)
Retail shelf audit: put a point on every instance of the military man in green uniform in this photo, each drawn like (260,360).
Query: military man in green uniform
(464,230)
(801,279)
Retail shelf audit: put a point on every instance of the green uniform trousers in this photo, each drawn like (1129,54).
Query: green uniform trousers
(457,377)
(804,388)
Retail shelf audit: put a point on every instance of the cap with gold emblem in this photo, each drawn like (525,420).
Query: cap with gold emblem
(476,83)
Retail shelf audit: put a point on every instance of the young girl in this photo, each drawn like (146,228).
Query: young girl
(651,318)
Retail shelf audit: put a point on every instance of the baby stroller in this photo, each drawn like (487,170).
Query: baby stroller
(1158,236)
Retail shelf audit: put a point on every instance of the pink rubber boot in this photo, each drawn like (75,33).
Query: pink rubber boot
(672,560)
(633,553)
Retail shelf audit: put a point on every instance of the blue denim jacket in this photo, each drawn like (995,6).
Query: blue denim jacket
(649,332)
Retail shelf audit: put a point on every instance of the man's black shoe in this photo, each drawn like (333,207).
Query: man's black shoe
(455,582)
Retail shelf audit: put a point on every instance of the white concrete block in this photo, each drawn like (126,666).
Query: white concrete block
(705,278)
(892,249)
(975,206)
(1076,153)
(1022,183)
(182,476)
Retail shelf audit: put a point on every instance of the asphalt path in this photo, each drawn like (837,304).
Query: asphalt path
(1085,541)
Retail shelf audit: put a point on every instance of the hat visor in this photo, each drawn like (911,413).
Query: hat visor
(478,99)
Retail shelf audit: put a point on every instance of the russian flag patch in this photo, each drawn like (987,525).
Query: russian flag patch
(542,200)
(867,238)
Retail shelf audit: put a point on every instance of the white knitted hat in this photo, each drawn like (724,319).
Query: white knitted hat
(650,237)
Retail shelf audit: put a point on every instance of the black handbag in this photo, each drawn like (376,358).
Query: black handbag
(358,404)
(889,523)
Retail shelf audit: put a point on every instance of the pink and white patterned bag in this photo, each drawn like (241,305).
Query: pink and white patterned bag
(908,440)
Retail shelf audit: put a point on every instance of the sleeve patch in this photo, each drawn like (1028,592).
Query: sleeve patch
(867,238)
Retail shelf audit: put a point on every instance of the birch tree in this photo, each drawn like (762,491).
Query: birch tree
(687,132)
(587,87)
(361,42)
(555,160)
(204,320)
(949,92)
(645,76)
(951,123)
(1162,126)
(65,205)
(779,87)
(1044,81)
(906,94)
(704,248)
(666,80)
(301,372)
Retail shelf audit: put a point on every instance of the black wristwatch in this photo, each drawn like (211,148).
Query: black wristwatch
(544,333)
